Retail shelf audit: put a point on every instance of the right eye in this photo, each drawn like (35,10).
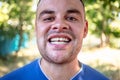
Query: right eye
(70,18)
(49,19)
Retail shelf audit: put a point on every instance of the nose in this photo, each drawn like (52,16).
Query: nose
(60,25)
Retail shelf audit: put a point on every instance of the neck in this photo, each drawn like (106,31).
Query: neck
(60,71)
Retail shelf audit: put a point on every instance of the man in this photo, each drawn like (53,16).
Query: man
(60,28)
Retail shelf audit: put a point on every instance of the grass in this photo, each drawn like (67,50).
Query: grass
(106,60)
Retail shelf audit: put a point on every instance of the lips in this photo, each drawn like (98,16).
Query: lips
(59,39)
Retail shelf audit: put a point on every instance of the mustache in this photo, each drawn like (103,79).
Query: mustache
(62,32)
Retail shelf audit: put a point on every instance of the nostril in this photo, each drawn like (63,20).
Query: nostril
(55,28)
(60,27)
(65,28)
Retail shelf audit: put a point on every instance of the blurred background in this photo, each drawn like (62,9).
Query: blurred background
(101,48)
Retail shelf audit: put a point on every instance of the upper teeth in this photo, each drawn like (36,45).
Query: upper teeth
(59,40)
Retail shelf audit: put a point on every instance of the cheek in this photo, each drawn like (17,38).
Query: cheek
(42,29)
(39,36)
(78,32)
(39,28)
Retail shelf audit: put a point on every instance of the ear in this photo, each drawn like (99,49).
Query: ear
(85,29)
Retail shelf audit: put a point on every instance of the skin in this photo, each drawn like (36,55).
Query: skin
(64,19)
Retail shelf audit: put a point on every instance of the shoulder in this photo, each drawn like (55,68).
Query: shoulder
(22,72)
(92,74)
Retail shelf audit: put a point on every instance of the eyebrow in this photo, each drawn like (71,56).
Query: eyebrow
(52,12)
(46,12)
(73,11)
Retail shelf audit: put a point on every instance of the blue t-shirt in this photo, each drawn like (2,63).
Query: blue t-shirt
(33,71)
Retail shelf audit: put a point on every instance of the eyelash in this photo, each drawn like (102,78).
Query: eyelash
(69,18)
(49,19)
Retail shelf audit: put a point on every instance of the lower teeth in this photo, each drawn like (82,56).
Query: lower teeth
(59,42)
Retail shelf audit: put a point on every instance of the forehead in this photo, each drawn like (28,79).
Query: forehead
(60,5)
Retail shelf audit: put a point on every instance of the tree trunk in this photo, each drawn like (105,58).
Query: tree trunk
(103,40)
(21,38)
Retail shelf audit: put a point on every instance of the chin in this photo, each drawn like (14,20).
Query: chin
(63,59)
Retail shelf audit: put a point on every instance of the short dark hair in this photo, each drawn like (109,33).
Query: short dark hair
(80,1)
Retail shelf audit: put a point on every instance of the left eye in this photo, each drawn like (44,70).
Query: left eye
(49,19)
(71,19)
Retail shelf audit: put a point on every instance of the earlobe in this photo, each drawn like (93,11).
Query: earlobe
(85,29)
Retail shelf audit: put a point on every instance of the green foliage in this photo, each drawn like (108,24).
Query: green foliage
(7,32)
(101,14)
(15,17)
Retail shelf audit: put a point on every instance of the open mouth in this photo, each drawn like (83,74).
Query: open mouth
(59,40)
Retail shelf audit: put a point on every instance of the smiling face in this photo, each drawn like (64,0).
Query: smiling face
(60,29)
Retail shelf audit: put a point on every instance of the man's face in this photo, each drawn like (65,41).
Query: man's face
(60,29)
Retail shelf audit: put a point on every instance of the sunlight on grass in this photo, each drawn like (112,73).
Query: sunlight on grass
(106,60)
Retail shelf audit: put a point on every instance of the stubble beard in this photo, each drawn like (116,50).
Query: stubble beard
(73,55)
